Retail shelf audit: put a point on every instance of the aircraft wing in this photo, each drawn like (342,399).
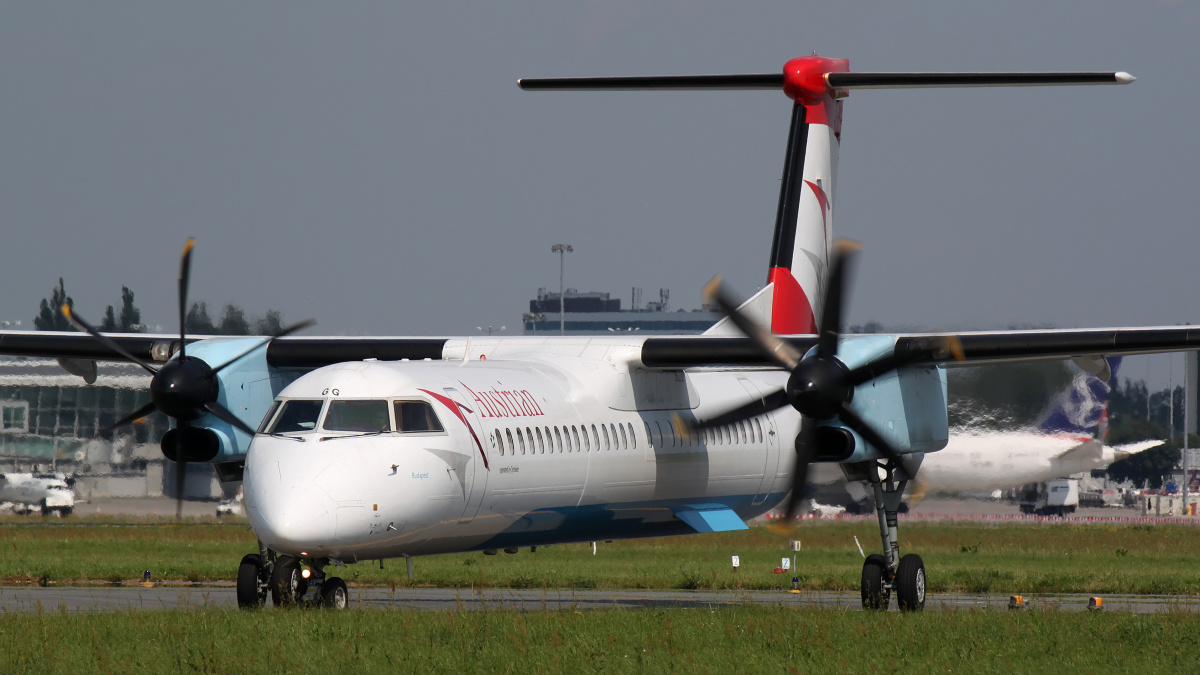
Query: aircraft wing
(657,352)
(285,352)
(977,347)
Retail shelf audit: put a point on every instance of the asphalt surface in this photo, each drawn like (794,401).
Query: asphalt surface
(168,597)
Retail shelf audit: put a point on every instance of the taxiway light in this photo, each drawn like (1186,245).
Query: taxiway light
(1096,603)
(795,585)
(1016,602)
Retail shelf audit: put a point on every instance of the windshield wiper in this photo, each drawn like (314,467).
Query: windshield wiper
(290,438)
(365,433)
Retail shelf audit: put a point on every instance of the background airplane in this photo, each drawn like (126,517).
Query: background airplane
(1069,438)
(47,493)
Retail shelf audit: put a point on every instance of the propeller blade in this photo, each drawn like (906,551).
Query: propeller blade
(831,308)
(852,420)
(675,82)
(778,350)
(937,348)
(805,447)
(180,476)
(185,270)
(224,414)
(759,406)
(180,472)
(131,417)
(286,331)
(84,326)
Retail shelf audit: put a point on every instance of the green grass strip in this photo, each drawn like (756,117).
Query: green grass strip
(732,640)
(959,557)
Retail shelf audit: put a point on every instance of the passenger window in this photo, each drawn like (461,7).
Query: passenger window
(632,435)
(624,438)
(416,416)
(297,416)
(742,430)
(595,438)
(529,435)
(575,437)
(587,441)
(758,430)
(649,435)
(500,442)
(520,440)
(512,446)
(558,440)
(542,443)
(262,426)
(658,435)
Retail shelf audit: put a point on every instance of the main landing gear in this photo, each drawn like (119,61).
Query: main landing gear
(889,573)
(289,581)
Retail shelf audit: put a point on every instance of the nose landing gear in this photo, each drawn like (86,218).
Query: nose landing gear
(290,581)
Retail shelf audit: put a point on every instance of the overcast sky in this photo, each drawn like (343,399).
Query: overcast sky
(374,165)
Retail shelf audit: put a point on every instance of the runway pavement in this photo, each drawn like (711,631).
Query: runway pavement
(168,597)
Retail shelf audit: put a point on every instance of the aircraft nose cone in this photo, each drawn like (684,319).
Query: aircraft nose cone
(295,522)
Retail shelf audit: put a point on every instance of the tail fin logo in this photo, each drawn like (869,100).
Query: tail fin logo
(1082,407)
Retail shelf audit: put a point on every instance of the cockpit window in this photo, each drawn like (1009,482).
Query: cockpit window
(297,415)
(262,427)
(357,415)
(415,416)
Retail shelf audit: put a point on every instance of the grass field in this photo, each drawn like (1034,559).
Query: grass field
(736,639)
(968,557)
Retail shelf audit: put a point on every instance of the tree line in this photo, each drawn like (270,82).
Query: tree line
(233,320)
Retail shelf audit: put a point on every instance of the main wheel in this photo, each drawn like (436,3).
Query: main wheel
(910,584)
(251,593)
(875,595)
(287,584)
(334,593)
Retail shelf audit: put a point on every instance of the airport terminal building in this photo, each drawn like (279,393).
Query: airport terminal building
(51,420)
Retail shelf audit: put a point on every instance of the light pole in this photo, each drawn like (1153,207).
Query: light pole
(562,250)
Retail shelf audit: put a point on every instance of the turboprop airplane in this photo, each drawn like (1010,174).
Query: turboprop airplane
(374,448)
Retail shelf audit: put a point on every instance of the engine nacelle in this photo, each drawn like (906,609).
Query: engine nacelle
(246,388)
(906,406)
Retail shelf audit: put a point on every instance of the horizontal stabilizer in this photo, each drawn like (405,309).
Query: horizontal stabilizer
(716,519)
(1135,448)
(833,80)
(666,82)
(921,80)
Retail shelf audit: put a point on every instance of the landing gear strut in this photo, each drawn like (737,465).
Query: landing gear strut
(884,574)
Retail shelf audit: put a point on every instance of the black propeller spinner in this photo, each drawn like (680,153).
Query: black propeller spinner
(821,387)
(185,389)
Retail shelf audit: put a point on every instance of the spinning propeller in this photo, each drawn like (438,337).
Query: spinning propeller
(821,387)
(184,388)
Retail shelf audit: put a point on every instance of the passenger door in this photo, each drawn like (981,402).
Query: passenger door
(477,472)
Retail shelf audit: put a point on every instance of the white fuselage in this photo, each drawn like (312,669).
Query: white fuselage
(550,448)
(983,462)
